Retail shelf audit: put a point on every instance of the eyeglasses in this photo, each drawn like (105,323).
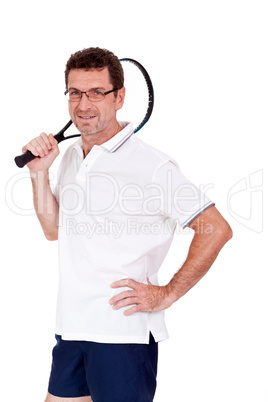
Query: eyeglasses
(94,95)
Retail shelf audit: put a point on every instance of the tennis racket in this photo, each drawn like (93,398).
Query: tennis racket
(138,104)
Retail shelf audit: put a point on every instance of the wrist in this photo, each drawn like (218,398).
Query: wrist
(172,292)
(39,175)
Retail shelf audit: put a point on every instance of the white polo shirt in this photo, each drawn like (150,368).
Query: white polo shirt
(119,208)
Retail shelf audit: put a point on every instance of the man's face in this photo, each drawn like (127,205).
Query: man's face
(94,117)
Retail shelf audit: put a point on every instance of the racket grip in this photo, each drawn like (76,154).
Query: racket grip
(23,159)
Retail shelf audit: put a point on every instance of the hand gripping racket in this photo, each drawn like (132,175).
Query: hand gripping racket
(138,104)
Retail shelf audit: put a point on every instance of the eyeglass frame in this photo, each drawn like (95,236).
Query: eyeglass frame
(85,92)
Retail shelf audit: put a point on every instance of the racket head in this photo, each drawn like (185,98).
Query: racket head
(137,108)
(139,98)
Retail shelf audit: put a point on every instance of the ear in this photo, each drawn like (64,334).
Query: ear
(120,98)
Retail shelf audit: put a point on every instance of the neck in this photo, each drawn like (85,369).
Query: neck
(89,140)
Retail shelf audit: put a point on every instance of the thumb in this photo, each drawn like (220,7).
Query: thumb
(148,281)
(52,140)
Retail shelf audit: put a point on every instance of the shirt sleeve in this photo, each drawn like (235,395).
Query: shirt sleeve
(183,201)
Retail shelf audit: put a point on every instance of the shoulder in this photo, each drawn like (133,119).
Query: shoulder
(74,151)
(150,153)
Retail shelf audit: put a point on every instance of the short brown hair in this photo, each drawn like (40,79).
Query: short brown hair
(96,58)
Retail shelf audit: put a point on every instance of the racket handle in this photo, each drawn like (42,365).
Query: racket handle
(23,159)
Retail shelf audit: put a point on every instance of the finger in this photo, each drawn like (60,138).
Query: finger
(30,147)
(37,147)
(121,296)
(130,283)
(53,142)
(148,281)
(133,310)
(42,144)
(46,140)
(126,302)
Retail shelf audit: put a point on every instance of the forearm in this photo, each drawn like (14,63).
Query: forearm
(45,204)
(211,233)
(203,251)
(45,148)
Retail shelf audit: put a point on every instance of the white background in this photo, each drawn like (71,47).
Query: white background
(208,62)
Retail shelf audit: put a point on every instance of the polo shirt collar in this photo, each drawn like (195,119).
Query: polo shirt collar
(115,142)
(120,138)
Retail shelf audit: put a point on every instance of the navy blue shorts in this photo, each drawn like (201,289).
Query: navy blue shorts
(107,372)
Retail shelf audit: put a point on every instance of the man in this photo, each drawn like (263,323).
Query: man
(114,213)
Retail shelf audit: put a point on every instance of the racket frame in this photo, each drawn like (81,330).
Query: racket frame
(23,159)
(150,92)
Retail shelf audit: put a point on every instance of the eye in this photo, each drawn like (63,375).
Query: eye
(74,92)
(74,95)
(96,92)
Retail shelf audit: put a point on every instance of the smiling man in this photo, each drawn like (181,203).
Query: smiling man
(110,313)
(95,120)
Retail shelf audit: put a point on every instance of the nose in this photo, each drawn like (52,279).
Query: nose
(84,102)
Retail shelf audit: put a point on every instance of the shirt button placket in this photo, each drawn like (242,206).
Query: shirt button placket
(88,163)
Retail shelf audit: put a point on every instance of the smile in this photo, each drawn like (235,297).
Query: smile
(86,117)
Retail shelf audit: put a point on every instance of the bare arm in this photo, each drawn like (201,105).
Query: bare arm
(211,233)
(45,204)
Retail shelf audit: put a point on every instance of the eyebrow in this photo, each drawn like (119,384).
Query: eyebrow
(91,89)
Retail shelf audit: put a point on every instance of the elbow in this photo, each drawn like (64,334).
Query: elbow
(230,233)
(51,236)
(224,232)
(50,231)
